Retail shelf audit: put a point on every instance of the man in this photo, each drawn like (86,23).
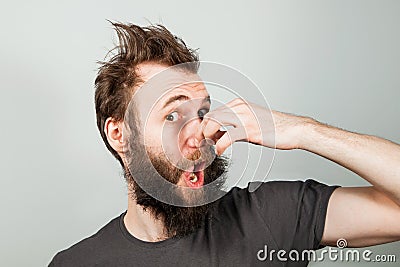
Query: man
(170,228)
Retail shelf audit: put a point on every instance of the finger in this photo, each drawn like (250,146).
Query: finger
(218,135)
(235,102)
(199,135)
(228,138)
(211,127)
(225,115)
(219,122)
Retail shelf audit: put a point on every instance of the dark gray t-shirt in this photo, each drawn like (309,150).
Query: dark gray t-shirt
(242,231)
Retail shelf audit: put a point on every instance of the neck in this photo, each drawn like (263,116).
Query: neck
(142,224)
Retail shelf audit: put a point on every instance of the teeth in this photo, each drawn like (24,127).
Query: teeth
(193,177)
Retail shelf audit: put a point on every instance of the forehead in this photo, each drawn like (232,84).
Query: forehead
(148,69)
(159,82)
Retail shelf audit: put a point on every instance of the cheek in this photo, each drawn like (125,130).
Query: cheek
(152,135)
(164,137)
(170,139)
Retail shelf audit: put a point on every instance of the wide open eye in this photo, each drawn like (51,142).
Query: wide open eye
(174,116)
(202,112)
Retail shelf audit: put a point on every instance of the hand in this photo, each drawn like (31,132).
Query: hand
(252,123)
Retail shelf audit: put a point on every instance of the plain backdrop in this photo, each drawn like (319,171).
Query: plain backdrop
(336,61)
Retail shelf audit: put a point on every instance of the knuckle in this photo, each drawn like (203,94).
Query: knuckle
(237,100)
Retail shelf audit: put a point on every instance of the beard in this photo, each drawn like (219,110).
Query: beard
(178,221)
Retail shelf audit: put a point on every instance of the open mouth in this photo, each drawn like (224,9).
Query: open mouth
(195,177)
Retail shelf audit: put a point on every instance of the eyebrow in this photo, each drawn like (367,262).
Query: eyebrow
(175,98)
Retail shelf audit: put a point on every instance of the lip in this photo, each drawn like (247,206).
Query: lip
(200,179)
(198,170)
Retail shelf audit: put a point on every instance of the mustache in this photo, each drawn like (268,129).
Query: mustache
(199,159)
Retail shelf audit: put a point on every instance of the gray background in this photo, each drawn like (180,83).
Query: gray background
(337,61)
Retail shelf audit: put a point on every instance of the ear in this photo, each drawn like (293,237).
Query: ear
(113,131)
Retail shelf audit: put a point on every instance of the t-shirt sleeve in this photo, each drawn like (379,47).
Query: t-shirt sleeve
(294,211)
(54,262)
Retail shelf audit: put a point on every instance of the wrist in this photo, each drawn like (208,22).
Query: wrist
(307,133)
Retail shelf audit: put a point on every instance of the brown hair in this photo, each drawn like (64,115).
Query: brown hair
(116,77)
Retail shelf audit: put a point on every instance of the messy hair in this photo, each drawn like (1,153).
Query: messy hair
(116,78)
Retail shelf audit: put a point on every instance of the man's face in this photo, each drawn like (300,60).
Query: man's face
(171,110)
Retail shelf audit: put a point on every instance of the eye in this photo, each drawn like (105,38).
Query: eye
(172,116)
(202,112)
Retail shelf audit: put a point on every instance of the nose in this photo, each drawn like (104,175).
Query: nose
(188,135)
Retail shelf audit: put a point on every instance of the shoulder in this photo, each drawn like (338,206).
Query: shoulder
(278,189)
(88,247)
(275,196)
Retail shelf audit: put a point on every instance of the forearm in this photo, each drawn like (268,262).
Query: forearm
(375,159)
